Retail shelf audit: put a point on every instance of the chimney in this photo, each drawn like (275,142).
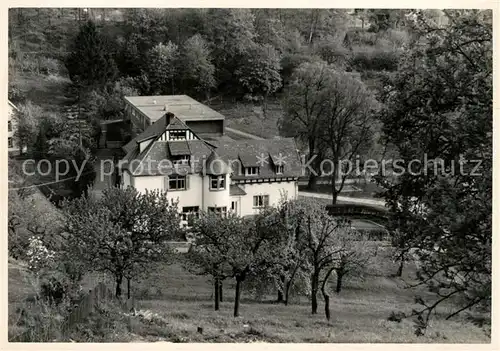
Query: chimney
(165,107)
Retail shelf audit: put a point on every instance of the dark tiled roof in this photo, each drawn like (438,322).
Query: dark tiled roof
(284,149)
(215,165)
(154,130)
(235,190)
(179,147)
(176,123)
(265,154)
(247,160)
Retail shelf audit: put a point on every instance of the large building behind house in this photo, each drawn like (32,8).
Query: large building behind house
(182,149)
(143,111)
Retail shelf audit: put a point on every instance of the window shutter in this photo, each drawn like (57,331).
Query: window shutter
(166,183)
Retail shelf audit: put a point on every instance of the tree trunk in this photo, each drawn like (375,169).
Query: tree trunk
(217,291)
(311,185)
(289,282)
(118,291)
(314,293)
(220,291)
(313,179)
(280,290)
(264,105)
(128,288)
(339,282)
(401,266)
(335,194)
(237,297)
(287,291)
(335,176)
(281,297)
(326,296)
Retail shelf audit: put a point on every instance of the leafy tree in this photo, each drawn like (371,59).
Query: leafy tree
(107,103)
(305,108)
(438,107)
(27,124)
(319,235)
(259,71)
(347,127)
(122,233)
(28,216)
(197,68)
(91,62)
(161,68)
(205,256)
(237,245)
(232,33)
(269,28)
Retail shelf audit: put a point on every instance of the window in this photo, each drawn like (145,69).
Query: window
(280,169)
(177,135)
(177,183)
(181,160)
(11,143)
(189,214)
(250,171)
(218,210)
(217,182)
(234,206)
(9,126)
(261,201)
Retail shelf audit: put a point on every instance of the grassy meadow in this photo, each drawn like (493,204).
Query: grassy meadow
(172,304)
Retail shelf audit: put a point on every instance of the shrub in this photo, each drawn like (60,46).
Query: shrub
(332,51)
(397,37)
(374,58)
(52,290)
(49,66)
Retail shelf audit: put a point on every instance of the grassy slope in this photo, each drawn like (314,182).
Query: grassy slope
(359,312)
(248,117)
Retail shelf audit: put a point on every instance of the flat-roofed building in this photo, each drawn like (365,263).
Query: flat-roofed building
(143,111)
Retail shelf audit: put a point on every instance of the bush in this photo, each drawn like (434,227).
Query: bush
(332,51)
(49,66)
(374,58)
(397,37)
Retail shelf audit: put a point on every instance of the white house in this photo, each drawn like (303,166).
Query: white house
(200,167)
(12,143)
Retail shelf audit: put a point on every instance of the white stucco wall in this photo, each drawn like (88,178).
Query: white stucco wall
(149,182)
(199,193)
(190,196)
(274,190)
(215,198)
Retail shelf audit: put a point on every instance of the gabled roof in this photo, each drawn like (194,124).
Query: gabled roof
(154,130)
(225,154)
(248,160)
(235,190)
(176,123)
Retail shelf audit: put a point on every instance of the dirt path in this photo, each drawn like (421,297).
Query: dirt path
(344,199)
(243,134)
